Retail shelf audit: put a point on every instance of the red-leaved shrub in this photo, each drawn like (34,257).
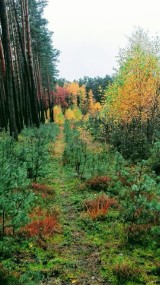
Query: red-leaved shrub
(44,190)
(42,224)
(99,206)
(98,182)
(44,227)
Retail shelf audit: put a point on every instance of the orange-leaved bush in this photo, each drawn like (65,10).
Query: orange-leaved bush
(99,206)
(42,224)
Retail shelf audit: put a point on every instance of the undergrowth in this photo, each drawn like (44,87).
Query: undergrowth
(95,219)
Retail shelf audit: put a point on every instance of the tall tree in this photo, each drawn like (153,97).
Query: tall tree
(97,84)
(9,68)
(132,106)
(27,64)
(34,98)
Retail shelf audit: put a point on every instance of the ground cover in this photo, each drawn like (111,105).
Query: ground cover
(88,244)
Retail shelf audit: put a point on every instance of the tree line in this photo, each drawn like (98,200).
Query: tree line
(27,64)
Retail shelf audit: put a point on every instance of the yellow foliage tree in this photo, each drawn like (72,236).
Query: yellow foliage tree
(73,89)
(91,100)
(82,97)
(93,107)
(69,114)
(58,115)
(78,114)
(97,107)
(134,93)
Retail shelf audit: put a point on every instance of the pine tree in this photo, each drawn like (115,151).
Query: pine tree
(27,64)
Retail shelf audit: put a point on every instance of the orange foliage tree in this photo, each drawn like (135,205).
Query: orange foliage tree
(77,94)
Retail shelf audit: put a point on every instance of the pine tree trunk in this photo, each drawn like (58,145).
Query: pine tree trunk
(34,101)
(25,77)
(9,70)
(50,101)
(3,105)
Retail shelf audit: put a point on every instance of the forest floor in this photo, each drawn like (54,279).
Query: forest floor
(82,250)
(76,249)
(87,251)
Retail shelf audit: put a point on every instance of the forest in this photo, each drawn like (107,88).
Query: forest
(79,161)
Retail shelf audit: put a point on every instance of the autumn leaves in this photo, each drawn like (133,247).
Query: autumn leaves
(134,93)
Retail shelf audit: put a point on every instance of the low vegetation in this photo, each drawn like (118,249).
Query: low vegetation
(86,225)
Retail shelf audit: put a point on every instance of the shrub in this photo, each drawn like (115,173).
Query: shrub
(44,227)
(98,183)
(99,206)
(42,224)
(140,204)
(35,150)
(125,271)
(75,152)
(154,160)
(44,190)
(15,198)
(6,278)
(130,140)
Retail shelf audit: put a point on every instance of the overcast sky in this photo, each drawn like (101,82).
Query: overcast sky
(89,33)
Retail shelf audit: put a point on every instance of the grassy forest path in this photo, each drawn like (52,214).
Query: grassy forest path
(77,255)
(89,251)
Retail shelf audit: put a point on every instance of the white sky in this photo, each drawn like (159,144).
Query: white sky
(89,33)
